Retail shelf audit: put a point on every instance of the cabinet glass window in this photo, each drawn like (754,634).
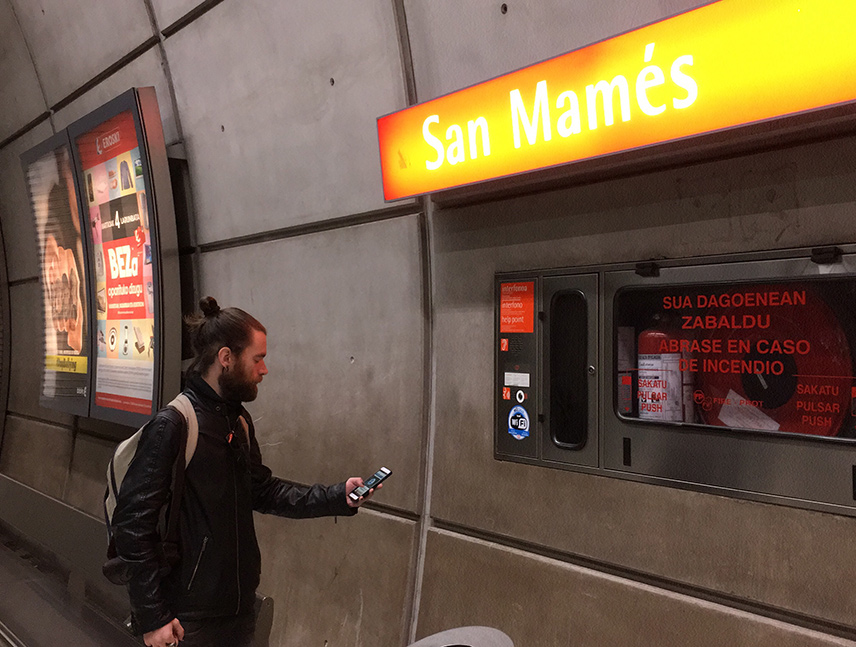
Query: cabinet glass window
(568,366)
(774,356)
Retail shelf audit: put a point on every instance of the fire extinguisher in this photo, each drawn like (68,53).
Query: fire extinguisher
(664,391)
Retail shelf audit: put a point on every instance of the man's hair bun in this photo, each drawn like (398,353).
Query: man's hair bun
(209,306)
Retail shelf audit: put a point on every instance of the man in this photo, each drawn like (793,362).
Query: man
(207,599)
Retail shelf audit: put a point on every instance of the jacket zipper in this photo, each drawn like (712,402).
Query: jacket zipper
(237,540)
(198,561)
(237,529)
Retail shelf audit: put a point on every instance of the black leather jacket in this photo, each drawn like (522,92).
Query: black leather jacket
(224,482)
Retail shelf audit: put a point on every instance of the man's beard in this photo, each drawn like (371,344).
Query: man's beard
(235,387)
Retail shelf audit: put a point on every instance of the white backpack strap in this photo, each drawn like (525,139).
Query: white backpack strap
(117,468)
(246,428)
(185,407)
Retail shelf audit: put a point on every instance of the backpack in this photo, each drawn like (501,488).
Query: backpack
(116,569)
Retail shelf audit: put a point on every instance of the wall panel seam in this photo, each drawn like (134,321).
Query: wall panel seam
(190,213)
(368,217)
(405,51)
(51,423)
(27,281)
(761,609)
(25,129)
(32,58)
(5,336)
(105,74)
(197,12)
(428,405)
(166,69)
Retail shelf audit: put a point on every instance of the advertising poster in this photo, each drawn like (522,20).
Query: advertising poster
(772,356)
(118,226)
(65,378)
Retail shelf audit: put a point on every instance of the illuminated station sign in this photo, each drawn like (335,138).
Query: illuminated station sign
(727,64)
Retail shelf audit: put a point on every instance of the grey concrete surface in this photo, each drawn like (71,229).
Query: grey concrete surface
(275,144)
(98,35)
(799,196)
(75,542)
(16,216)
(345,328)
(36,454)
(21,100)
(789,558)
(457,43)
(87,477)
(538,601)
(342,581)
(147,69)
(27,355)
(168,11)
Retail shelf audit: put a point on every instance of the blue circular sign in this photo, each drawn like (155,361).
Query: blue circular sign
(518,423)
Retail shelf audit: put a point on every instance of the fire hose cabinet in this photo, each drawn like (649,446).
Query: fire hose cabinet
(739,376)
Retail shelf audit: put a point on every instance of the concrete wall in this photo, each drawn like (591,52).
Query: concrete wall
(380,321)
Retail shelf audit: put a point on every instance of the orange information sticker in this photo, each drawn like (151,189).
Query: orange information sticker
(517,307)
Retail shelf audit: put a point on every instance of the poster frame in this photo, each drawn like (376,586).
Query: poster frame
(142,103)
(73,405)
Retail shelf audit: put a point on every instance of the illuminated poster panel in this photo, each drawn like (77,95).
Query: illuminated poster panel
(773,356)
(50,180)
(115,194)
(727,64)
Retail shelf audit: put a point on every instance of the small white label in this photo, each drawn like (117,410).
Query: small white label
(738,413)
(517,379)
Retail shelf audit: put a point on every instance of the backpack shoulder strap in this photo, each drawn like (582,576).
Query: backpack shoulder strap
(246,429)
(188,443)
(185,407)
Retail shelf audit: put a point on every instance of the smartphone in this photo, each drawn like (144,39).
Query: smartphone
(372,481)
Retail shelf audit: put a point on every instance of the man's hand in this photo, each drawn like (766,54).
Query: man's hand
(166,636)
(352,484)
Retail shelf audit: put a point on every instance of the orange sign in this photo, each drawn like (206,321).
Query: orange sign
(727,64)
(517,307)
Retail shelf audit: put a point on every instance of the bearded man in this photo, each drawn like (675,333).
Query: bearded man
(208,598)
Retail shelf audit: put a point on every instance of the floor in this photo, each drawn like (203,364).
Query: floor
(36,609)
